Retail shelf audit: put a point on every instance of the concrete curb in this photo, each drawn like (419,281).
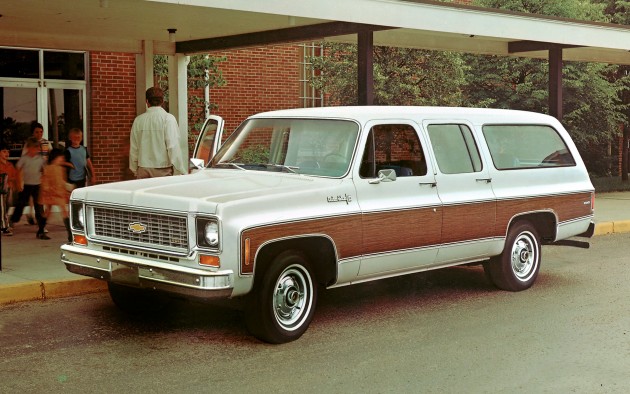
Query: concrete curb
(34,290)
(619,226)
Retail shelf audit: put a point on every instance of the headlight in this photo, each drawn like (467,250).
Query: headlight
(78,220)
(207,233)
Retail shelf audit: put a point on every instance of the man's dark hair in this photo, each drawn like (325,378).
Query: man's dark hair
(36,125)
(155,96)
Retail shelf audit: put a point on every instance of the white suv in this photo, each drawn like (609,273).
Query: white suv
(298,199)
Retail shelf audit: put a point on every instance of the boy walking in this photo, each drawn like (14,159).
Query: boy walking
(77,155)
(30,168)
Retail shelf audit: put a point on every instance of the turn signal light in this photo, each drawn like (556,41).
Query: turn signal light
(79,239)
(210,261)
(247,251)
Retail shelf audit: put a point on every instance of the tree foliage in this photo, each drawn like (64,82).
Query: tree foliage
(592,92)
(203,70)
(402,76)
(593,101)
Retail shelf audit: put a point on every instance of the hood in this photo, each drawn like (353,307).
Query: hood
(201,191)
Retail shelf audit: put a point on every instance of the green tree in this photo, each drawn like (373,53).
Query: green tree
(402,76)
(618,11)
(593,108)
(203,70)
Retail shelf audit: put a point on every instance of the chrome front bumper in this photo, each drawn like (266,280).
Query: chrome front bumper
(136,272)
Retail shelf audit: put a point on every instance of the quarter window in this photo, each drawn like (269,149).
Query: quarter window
(455,148)
(526,146)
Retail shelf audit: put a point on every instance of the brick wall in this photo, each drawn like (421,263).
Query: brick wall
(112,101)
(258,79)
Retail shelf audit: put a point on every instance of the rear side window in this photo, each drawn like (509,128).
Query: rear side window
(455,148)
(526,146)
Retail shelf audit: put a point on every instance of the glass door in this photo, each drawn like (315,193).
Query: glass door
(44,86)
(20,104)
(65,104)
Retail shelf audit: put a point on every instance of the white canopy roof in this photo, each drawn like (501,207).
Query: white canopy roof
(122,26)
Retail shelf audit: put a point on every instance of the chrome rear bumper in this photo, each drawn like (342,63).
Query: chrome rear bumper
(136,272)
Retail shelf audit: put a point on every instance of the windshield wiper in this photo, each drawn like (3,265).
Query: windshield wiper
(291,169)
(228,164)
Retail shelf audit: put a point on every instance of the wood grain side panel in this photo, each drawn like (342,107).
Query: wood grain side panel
(355,235)
(468,221)
(565,207)
(414,228)
(344,230)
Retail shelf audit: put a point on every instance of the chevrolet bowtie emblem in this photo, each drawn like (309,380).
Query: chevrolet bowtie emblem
(137,227)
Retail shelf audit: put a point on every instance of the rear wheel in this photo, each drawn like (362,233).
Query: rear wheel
(517,267)
(283,301)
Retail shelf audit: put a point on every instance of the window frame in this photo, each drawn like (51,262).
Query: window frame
(476,164)
(369,147)
(494,155)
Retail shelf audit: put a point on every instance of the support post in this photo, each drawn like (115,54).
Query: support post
(178,97)
(144,75)
(366,68)
(555,82)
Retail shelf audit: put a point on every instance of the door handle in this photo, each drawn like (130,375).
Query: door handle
(487,180)
(433,184)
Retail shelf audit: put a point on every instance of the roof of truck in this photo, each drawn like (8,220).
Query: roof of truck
(365,113)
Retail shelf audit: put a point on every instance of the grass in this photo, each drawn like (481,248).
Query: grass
(610,184)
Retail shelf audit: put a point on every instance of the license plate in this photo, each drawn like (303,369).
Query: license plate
(125,274)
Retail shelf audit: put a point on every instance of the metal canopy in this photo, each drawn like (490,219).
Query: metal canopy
(203,25)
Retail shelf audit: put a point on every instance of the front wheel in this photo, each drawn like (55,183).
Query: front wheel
(517,267)
(283,300)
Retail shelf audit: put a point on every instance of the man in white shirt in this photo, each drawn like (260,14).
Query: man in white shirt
(154,149)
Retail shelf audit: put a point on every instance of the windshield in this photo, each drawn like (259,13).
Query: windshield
(304,146)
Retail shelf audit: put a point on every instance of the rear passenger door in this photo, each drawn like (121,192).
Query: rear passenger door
(401,215)
(465,190)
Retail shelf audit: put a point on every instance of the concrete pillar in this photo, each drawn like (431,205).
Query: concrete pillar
(144,75)
(178,96)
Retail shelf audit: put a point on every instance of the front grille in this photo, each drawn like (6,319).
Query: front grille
(151,229)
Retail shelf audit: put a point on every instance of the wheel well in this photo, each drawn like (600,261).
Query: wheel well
(543,222)
(319,251)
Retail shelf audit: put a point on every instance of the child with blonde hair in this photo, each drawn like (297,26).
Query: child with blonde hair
(54,189)
(78,158)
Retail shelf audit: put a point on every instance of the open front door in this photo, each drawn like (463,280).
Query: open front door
(209,139)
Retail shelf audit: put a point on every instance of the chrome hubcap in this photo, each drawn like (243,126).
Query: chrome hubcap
(292,297)
(524,256)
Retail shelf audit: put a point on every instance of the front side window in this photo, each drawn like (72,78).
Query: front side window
(455,148)
(526,146)
(305,146)
(395,147)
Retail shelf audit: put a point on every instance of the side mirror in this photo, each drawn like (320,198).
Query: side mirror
(196,164)
(387,175)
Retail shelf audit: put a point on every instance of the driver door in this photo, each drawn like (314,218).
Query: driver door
(209,140)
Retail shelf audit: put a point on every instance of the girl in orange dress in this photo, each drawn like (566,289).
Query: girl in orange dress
(54,189)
